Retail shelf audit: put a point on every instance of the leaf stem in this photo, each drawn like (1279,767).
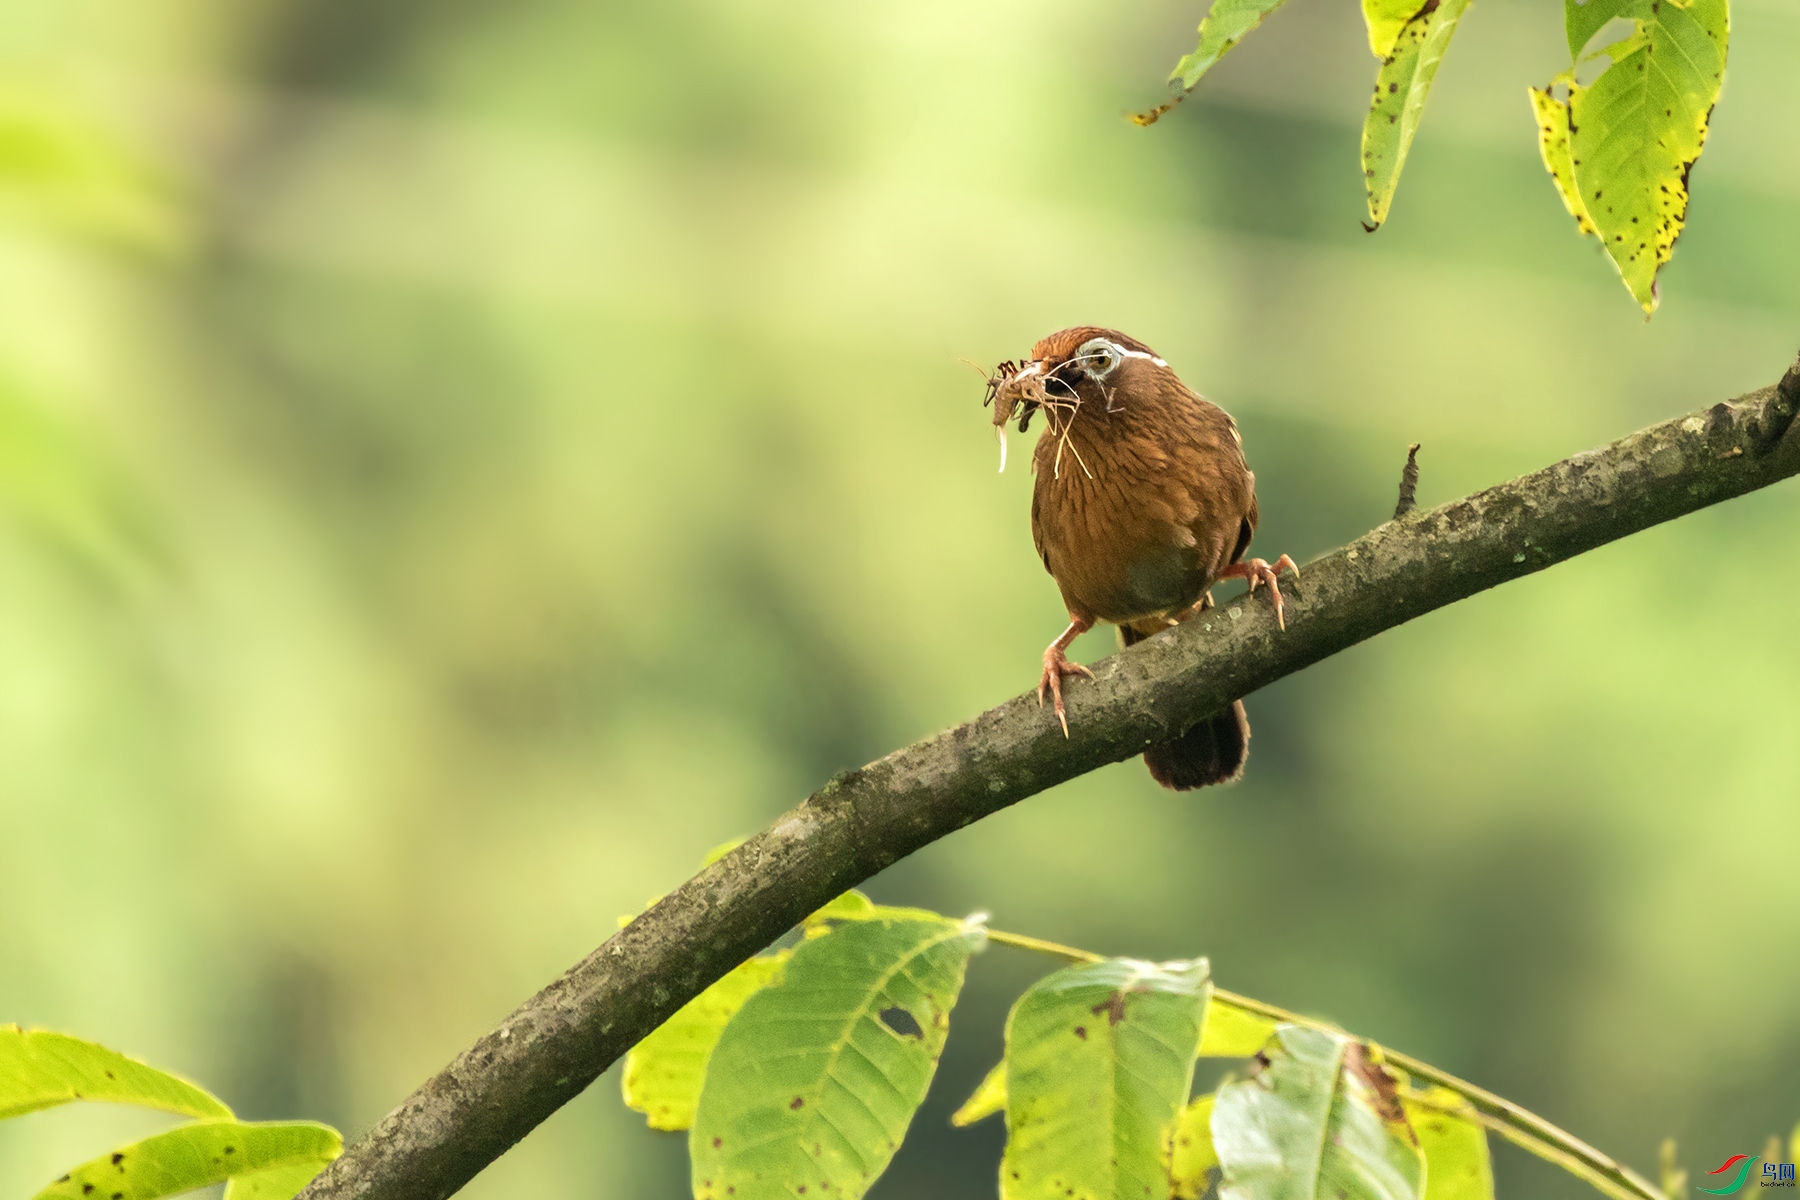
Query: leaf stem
(1517,1125)
(1024,942)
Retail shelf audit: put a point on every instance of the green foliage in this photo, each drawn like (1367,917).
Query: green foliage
(663,1074)
(41,1069)
(1454,1145)
(1619,150)
(1193,1159)
(1233,1032)
(285,1154)
(1099,1061)
(1321,1119)
(988,1098)
(817,1076)
(1224,24)
(257,1160)
(799,1074)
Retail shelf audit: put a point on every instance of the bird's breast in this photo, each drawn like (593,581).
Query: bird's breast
(1136,521)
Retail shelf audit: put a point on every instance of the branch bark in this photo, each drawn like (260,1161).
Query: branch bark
(557,1042)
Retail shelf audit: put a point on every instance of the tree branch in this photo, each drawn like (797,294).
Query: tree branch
(557,1042)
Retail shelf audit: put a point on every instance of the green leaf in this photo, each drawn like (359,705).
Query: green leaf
(816,1079)
(1455,1147)
(1232,1032)
(193,1156)
(276,1183)
(1192,1158)
(1318,1122)
(1385,19)
(1099,1059)
(1401,88)
(989,1098)
(40,1069)
(1553,145)
(1582,21)
(1637,130)
(1223,27)
(851,906)
(663,1072)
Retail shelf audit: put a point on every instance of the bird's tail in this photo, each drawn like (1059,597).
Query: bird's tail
(1212,751)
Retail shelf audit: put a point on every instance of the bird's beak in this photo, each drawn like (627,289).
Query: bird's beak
(1011,388)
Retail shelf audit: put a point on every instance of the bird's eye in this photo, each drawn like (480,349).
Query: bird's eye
(1098,357)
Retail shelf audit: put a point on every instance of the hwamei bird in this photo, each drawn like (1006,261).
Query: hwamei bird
(1142,502)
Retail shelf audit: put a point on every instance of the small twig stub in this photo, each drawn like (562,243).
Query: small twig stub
(1409,483)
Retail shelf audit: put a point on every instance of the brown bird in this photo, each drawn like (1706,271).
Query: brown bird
(1142,502)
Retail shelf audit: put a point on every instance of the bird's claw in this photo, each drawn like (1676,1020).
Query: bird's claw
(1258,571)
(1057,665)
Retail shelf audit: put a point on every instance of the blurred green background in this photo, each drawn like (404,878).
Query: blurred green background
(459,462)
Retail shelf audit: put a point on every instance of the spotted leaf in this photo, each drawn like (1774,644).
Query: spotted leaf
(1637,130)
(1385,19)
(1553,145)
(1317,1121)
(1401,89)
(813,1083)
(1099,1061)
(203,1153)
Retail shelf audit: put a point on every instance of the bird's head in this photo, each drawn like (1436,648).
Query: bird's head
(1070,368)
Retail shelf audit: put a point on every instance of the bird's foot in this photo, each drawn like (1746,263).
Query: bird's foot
(1057,665)
(1258,571)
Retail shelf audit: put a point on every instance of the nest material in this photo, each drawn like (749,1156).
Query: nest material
(1022,390)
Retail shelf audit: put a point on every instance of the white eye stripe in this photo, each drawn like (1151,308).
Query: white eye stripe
(1139,354)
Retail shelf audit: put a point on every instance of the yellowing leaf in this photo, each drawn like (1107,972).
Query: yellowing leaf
(1385,19)
(1455,1147)
(1319,1122)
(1232,1032)
(1637,130)
(988,1098)
(1192,1157)
(814,1082)
(663,1072)
(1401,89)
(1099,1060)
(1553,145)
(41,1069)
(203,1153)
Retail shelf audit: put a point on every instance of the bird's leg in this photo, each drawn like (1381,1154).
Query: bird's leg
(1257,571)
(1057,664)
